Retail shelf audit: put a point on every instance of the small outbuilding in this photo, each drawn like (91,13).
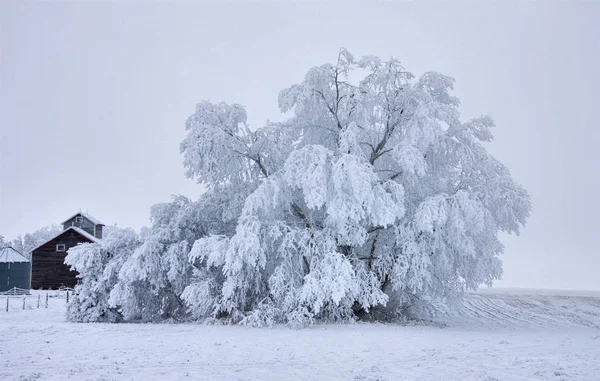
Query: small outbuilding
(15,270)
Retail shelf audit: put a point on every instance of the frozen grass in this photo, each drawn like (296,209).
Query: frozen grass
(497,336)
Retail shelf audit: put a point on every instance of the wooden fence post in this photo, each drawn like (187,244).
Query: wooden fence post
(67,296)
(39,297)
(23,301)
(6,303)
(46,300)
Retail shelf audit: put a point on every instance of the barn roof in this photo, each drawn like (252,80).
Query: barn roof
(85,234)
(87,216)
(8,254)
(76,229)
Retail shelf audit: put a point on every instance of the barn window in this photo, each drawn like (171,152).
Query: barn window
(78,220)
(60,247)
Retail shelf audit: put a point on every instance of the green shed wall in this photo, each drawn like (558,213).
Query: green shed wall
(15,274)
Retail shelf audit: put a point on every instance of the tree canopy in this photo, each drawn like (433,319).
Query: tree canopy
(373,200)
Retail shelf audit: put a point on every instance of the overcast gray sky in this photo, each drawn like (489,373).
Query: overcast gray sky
(94,97)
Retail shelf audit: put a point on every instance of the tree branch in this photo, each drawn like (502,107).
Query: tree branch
(331,110)
(378,151)
(297,211)
(393,177)
(374,229)
(372,254)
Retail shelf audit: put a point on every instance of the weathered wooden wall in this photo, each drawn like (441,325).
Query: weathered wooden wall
(86,225)
(48,269)
(99,229)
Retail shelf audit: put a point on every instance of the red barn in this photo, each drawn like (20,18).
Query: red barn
(48,269)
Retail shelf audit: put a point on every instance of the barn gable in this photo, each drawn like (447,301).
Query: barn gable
(48,269)
(85,222)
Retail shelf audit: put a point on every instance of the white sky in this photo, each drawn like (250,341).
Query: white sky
(94,97)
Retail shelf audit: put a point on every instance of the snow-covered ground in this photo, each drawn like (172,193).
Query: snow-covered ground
(499,335)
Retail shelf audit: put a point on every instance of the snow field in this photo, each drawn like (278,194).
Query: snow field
(496,337)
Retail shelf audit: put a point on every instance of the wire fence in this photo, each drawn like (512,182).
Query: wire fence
(16,291)
(22,299)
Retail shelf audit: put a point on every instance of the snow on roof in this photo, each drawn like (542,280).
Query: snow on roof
(75,228)
(85,234)
(8,254)
(86,216)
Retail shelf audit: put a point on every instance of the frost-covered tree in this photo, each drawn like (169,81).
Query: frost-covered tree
(3,241)
(152,279)
(25,244)
(128,277)
(98,265)
(374,199)
(374,196)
